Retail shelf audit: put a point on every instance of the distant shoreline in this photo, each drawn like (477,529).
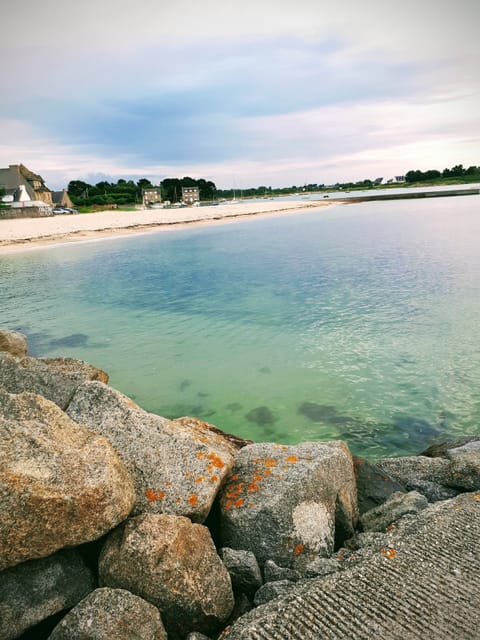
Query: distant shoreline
(23,234)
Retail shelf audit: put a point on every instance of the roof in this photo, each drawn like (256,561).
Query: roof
(12,178)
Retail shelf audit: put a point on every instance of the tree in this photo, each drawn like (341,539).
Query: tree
(78,189)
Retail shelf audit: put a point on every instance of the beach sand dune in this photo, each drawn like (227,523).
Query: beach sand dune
(23,233)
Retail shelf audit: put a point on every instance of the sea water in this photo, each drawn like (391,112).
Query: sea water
(359,321)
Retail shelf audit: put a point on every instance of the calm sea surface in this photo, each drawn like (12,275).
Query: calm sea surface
(359,322)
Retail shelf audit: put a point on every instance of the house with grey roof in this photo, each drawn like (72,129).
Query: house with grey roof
(24,185)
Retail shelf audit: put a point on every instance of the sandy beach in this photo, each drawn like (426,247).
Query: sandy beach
(24,233)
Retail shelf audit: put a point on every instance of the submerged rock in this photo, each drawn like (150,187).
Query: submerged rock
(13,343)
(177,466)
(261,416)
(284,503)
(53,378)
(111,613)
(173,564)
(60,484)
(37,589)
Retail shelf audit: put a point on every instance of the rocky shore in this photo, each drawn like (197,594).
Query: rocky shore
(118,523)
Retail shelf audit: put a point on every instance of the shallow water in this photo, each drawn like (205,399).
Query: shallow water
(359,322)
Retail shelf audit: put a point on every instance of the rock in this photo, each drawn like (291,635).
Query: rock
(398,505)
(322,567)
(60,484)
(374,484)
(197,424)
(287,504)
(173,564)
(13,342)
(271,590)
(242,606)
(111,613)
(243,569)
(428,476)
(409,468)
(273,573)
(37,589)
(440,449)
(465,466)
(422,584)
(53,378)
(177,468)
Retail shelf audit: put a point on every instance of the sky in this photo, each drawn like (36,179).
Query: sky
(241,92)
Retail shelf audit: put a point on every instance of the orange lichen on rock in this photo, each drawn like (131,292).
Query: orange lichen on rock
(388,553)
(214,479)
(298,549)
(193,500)
(152,496)
(270,462)
(252,487)
(215,461)
(168,484)
(199,479)
(235,490)
(239,503)
(291,459)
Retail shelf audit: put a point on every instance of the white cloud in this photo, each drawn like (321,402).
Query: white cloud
(91,53)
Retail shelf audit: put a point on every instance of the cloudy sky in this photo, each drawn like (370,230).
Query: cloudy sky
(242,92)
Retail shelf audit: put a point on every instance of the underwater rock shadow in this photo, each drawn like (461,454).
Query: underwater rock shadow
(72,340)
(261,415)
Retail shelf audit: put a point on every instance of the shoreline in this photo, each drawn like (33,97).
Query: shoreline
(24,234)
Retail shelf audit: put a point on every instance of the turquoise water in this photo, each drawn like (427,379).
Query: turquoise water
(359,322)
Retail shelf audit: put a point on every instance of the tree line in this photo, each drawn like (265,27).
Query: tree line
(128,192)
(458,171)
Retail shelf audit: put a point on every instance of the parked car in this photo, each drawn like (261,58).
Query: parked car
(63,211)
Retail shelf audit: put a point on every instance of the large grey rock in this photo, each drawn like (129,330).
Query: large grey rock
(398,505)
(428,476)
(243,569)
(60,484)
(53,378)
(273,573)
(285,503)
(13,342)
(422,584)
(177,468)
(322,567)
(465,466)
(35,590)
(374,484)
(271,590)
(173,564)
(111,613)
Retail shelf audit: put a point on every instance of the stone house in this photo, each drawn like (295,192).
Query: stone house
(151,196)
(24,185)
(190,195)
